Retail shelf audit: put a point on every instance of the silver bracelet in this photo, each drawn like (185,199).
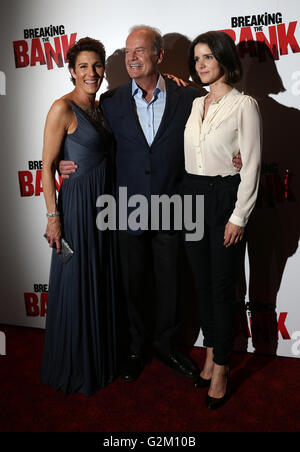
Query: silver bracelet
(52,214)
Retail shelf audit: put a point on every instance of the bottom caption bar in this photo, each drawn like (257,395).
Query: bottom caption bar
(138,440)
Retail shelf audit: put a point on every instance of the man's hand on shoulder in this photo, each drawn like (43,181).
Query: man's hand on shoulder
(177,80)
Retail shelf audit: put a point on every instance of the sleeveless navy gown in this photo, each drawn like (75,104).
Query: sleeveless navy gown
(81,345)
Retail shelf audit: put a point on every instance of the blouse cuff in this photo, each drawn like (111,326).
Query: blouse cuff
(237,221)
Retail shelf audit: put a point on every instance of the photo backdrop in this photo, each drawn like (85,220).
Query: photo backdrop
(35,36)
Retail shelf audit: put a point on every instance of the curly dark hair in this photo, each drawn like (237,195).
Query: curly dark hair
(85,45)
(224,50)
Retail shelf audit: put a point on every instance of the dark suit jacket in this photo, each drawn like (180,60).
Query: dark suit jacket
(144,169)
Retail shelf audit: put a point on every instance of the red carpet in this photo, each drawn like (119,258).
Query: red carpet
(265,396)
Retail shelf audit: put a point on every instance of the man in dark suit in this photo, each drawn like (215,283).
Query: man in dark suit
(147,118)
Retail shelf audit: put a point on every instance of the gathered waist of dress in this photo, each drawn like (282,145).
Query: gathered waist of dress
(84,166)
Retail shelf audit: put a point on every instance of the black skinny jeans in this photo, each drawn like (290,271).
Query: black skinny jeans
(213,265)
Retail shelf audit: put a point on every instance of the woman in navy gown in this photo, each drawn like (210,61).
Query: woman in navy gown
(81,347)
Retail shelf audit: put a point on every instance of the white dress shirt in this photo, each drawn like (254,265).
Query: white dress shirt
(150,113)
(232,125)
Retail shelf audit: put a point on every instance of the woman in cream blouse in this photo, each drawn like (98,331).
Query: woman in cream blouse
(222,124)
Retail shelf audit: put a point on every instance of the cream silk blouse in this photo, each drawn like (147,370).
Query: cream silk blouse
(232,125)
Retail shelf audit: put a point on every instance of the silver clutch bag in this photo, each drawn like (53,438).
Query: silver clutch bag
(66,251)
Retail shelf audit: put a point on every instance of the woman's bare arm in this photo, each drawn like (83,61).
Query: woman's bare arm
(58,121)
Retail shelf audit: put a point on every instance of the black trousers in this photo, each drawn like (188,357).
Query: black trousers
(213,265)
(154,253)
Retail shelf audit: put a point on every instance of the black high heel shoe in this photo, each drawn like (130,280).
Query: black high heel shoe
(213,403)
(201,382)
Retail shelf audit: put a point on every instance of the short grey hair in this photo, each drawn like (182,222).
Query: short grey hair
(158,42)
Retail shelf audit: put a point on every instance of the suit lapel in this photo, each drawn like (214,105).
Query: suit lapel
(172,98)
(133,115)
